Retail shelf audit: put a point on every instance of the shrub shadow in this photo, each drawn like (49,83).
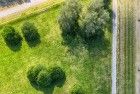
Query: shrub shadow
(98,47)
(14,48)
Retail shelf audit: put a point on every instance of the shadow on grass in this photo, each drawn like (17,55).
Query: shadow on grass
(15,48)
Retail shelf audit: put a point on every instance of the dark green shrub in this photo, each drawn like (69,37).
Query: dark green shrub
(11,37)
(32,74)
(44,79)
(77,89)
(94,21)
(30,32)
(58,76)
(68,19)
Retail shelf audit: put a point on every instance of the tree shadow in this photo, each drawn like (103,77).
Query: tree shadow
(35,41)
(98,47)
(16,47)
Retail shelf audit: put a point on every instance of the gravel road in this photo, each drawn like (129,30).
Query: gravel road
(20,8)
(114,47)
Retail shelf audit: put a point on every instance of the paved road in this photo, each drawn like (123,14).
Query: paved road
(20,8)
(114,47)
(137,48)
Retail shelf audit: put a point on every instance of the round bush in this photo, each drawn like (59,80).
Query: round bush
(10,36)
(44,79)
(77,89)
(32,74)
(30,32)
(58,76)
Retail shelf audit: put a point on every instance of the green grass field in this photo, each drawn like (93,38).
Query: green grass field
(88,65)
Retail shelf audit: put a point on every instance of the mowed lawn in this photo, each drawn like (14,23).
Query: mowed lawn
(89,65)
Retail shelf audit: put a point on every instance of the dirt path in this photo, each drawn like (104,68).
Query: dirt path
(20,8)
(114,47)
(137,81)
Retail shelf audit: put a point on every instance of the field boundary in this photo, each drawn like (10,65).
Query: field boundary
(126,48)
(30,12)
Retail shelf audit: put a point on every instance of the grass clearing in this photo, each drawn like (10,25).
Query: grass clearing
(88,65)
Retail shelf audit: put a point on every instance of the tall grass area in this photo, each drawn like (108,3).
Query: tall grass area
(89,65)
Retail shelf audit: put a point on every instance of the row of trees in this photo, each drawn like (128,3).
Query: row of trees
(88,25)
(13,38)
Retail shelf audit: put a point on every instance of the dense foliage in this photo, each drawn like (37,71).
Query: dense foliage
(33,73)
(10,36)
(95,20)
(58,76)
(69,16)
(43,79)
(30,32)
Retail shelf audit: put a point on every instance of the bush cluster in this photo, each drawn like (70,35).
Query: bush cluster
(68,19)
(42,79)
(11,37)
(14,39)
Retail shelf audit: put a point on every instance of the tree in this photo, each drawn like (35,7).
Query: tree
(68,19)
(33,73)
(44,79)
(30,32)
(94,21)
(11,37)
(58,76)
